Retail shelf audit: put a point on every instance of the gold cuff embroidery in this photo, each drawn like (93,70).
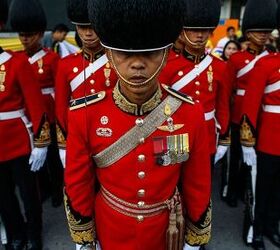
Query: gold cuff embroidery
(199,233)
(81,228)
(246,134)
(61,140)
(44,138)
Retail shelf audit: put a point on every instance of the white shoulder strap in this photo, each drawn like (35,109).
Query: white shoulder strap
(37,56)
(272,87)
(250,65)
(93,67)
(4,57)
(196,71)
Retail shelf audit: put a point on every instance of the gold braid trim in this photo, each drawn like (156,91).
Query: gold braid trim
(61,140)
(81,228)
(44,138)
(199,233)
(246,134)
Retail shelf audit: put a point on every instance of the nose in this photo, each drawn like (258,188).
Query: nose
(138,63)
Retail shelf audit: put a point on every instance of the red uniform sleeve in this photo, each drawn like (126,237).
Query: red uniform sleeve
(197,187)
(79,180)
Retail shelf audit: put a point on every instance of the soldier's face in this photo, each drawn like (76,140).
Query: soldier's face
(30,40)
(137,67)
(258,38)
(88,36)
(196,38)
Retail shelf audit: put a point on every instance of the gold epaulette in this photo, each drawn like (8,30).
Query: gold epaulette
(43,139)
(60,136)
(87,100)
(199,233)
(177,94)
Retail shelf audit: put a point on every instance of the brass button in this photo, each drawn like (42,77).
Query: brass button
(140,218)
(197,92)
(142,140)
(180,73)
(139,122)
(92,91)
(92,81)
(197,83)
(141,175)
(141,158)
(141,204)
(247,61)
(141,193)
(75,70)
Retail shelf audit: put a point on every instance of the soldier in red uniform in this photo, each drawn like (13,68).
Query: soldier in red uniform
(44,64)
(81,73)
(261,129)
(24,136)
(259,20)
(139,140)
(200,75)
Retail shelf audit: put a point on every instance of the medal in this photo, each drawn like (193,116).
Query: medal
(2,88)
(210,78)
(2,78)
(107,73)
(40,65)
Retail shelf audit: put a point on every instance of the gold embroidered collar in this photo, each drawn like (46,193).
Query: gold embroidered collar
(133,108)
(92,56)
(193,58)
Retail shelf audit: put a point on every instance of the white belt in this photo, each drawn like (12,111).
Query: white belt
(11,114)
(47,91)
(240,92)
(271,108)
(209,115)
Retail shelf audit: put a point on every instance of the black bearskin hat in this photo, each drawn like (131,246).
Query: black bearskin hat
(259,15)
(202,14)
(27,16)
(3,11)
(136,25)
(77,12)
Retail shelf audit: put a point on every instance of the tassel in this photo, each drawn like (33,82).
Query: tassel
(180,225)
(172,234)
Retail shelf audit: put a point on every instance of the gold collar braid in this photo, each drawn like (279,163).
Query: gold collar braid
(133,108)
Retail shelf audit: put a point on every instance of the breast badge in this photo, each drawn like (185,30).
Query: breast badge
(172,149)
(104,132)
(210,78)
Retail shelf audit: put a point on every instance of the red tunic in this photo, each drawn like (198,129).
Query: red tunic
(259,93)
(21,91)
(237,62)
(115,230)
(213,96)
(69,68)
(45,71)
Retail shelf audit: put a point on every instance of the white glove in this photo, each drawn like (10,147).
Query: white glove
(188,247)
(37,158)
(62,156)
(249,156)
(221,151)
(78,247)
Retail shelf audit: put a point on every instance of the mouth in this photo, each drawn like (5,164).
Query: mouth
(137,79)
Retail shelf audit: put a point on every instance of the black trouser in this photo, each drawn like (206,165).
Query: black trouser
(51,175)
(237,169)
(14,173)
(267,209)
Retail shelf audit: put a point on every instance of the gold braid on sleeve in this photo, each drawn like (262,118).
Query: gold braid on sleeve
(199,233)
(247,133)
(61,138)
(81,228)
(43,137)
(225,139)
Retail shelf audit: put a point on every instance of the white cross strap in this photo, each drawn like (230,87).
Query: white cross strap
(195,72)
(251,65)
(272,87)
(4,57)
(85,74)
(37,56)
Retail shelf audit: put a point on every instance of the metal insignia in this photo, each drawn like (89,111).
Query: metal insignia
(104,132)
(104,120)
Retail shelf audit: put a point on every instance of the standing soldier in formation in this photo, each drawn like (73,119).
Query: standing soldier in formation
(200,75)
(81,73)
(139,140)
(44,64)
(24,133)
(258,22)
(261,129)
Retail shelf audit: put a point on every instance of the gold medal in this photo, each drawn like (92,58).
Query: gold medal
(40,66)
(210,78)
(2,88)
(107,73)
(2,78)
(40,71)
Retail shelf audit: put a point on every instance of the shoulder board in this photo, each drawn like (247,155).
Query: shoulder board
(177,94)
(87,100)
(216,56)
